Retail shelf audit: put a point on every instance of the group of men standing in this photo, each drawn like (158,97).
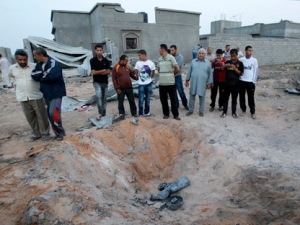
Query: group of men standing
(38,85)
(43,83)
(168,68)
(234,75)
(225,73)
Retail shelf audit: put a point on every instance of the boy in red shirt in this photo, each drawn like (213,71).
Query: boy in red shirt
(219,78)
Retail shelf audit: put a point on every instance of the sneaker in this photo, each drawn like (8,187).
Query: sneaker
(189,113)
(201,114)
(147,115)
(134,121)
(34,138)
(253,116)
(141,115)
(122,116)
(220,108)
(223,115)
(212,109)
(177,118)
(235,115)
(166,117)
(243,113)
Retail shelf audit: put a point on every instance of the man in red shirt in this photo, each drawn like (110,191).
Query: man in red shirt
(121,74)
(219,78)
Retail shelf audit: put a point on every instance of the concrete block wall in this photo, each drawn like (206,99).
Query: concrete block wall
(72,28)
(268,51)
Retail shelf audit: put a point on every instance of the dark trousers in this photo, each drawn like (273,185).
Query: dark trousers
(248,87)
(214,92)
(130,97)
(179,87)
(54,115)
(232,90)
(164,92)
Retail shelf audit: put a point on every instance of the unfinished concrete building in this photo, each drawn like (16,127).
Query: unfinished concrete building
(129,31)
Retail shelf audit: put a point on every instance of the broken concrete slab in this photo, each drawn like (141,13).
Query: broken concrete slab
(105,121)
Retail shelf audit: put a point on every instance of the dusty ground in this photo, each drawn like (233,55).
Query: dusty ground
(242,171)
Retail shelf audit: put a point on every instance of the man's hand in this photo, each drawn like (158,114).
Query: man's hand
(208,86)
(118,91)
(187,82)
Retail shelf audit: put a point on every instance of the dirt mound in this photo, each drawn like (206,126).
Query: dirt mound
(82,178)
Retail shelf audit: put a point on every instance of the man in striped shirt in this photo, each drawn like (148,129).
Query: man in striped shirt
(167,68)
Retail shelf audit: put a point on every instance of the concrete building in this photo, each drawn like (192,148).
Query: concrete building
(129,31)
(276,43)
(283,29)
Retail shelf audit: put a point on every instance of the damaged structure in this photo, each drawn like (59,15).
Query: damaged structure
(129,31)
(276,43)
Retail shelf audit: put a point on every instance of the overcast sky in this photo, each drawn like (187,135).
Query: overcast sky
(20,19)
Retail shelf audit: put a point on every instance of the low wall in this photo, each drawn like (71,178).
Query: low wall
(268,51)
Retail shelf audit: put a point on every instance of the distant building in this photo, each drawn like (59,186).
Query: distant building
(283,29)
(275,43)
(129,31)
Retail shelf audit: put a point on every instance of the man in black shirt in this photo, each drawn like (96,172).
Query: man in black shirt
(233,70)
(100,69)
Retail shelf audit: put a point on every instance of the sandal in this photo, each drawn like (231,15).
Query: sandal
(223,115)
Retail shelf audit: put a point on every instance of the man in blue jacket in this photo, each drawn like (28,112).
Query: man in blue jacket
(49,73)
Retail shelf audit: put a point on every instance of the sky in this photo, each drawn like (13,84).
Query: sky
(20,19)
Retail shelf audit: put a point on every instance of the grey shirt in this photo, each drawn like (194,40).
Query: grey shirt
(179,60)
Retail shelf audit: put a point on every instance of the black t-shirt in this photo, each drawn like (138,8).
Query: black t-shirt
(231,77)
(96,64)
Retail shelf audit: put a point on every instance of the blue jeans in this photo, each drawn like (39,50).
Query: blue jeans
(101,94)
(144,96)
(179,87)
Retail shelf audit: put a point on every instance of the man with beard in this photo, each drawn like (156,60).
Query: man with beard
(30,97)
(200,74)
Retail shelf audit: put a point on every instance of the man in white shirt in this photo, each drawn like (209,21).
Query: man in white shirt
(4,67)
(247,81)
(30,97)
(144,69)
